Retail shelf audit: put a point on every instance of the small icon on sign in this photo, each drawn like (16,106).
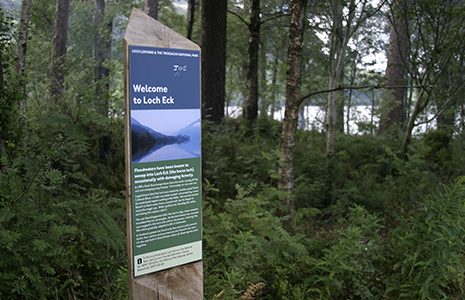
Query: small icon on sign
(139,261)
(178,69)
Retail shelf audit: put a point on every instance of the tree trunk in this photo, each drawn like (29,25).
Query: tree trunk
(23,30)
(251,102)
(213,42)
(264,95)
(291,114)
(462,119)
(2,58)
(331,131)
(151,8)
(335,106)
(349,100)
(338,72)
(274,79)
(372,115)
(340,95)
(335,76)
(190,18)
(302,122)
(331,118)
(102,48)
(417,109)
(349,104)
(60,38)
(393,107)
(2,83)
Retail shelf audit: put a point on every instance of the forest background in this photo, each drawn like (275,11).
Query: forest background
(297,205)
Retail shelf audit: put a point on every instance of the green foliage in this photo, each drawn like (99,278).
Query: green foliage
(350,264)
(232,159)
(171,18)
(62,215)
(9,86)
(62,209)
(437,151)
(59,237)
(384,237)
(427,251)
(246,243)
(366,167)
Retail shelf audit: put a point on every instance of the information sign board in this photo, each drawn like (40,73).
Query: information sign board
(165,169)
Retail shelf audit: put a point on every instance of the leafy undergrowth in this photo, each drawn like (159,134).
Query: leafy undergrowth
(395,229)
(61,223)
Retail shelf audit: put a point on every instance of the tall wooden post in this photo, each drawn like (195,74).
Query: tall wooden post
(182,281)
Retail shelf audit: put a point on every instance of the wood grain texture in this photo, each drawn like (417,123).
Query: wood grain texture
(142,30)
(186,281)
(183,282)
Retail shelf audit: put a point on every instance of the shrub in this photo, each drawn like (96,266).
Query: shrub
(427,252)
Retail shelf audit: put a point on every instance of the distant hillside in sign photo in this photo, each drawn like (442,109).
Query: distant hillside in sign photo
(193,132)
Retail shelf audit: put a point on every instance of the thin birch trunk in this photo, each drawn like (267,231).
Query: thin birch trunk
(417,109)
(23,31)
(349,100)
(293,95)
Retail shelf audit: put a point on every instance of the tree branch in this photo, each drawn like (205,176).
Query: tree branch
(440,110)
(362,18)
(239,17)
(275,16)
(451,97)
(361,87)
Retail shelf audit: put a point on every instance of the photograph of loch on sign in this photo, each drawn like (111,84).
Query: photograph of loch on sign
(159,135)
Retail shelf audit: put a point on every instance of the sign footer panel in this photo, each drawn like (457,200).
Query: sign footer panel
(167,258)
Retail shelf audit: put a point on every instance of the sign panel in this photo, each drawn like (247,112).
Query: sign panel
(164,114)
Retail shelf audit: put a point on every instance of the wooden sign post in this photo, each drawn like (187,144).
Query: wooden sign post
(163,162)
